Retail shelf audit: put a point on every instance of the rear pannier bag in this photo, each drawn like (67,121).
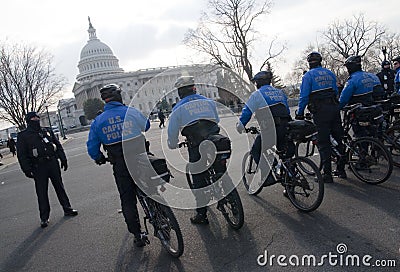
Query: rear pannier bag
(160,167)
(223,145)
(301,130)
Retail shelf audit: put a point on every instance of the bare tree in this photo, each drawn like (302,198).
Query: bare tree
(391,43)
(27,80)
(353,37)
(227,34)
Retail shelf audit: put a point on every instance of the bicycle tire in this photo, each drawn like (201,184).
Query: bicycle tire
(165,224)
(249,174)
(309,150)
(393,144)
(189,177)
(232,209)
(363,161)
(305,195)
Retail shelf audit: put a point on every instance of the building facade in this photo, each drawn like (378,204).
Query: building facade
(144,89)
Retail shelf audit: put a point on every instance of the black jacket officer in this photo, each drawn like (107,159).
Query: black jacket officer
(386,77)
(38,151)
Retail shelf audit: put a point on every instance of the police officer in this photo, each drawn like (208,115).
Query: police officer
(265,99)
(117,123)
(359,88)
(196,117)
(386,77)
(38,151)
(396,66)
(318,91)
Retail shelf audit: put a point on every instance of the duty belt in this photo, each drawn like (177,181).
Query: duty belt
(45,158)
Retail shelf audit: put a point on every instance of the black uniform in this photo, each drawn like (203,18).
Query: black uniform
(38,151)
(386,77)
(161,116)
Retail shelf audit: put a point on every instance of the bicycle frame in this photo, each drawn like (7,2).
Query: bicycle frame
(276,156)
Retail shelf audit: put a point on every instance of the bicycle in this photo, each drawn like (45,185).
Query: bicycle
(305,190)
(231,205)
(389,132)
(166,227)
(368,159)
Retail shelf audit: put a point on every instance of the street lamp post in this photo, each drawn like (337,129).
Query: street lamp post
(48,115)
(61,124)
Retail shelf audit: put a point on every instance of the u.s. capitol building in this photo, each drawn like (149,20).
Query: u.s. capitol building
(144,88)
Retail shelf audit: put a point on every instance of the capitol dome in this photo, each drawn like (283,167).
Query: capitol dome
(96,59)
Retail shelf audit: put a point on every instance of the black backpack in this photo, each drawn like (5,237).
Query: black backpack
(160,167)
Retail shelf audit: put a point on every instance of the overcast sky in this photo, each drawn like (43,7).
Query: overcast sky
(145,34)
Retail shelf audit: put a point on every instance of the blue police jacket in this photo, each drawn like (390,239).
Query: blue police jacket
(263,97)
(188,110)
(359,83)
(315,80)
(397,80)
(117,123)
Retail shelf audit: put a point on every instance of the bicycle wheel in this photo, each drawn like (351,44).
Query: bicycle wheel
(308,150)
(305,190)
(251,176)
(167,229)
(232,209)
(189,177)
(392,142)
(370,161)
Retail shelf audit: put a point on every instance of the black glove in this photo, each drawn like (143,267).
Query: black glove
(28,174)
(101,160)
(64,165)
(299,117)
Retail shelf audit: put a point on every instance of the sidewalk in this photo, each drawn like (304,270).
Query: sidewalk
(8,158)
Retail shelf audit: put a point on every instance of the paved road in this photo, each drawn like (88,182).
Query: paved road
(364,218)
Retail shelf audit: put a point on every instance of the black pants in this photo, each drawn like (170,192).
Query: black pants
(127,193)
(199,180)
(162,124)
(49,169)
(329,122)
(281,144)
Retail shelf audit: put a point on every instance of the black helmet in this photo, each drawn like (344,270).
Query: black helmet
(396,59)
(385,62)
(262,78)
(111,92)
(185,86)
(30,115)
(314,57)
(353,64)
(352,60)
(184,81)
(263,75)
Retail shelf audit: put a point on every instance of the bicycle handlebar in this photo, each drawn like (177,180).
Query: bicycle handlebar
(183,144)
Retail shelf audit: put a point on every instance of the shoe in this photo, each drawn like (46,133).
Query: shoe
(141,240)
(71,213)
(44,223)
(327,178)
(285,194)
(339,174)
(199,219)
